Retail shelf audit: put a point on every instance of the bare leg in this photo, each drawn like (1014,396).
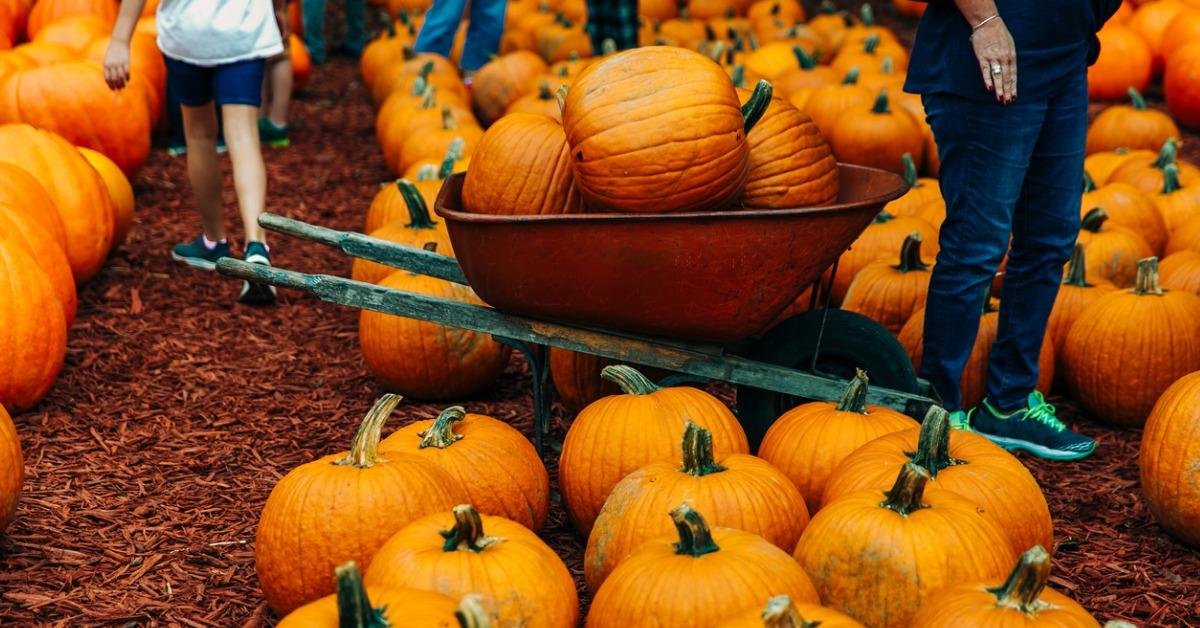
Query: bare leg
(249,173)
(279,87)
(200,129)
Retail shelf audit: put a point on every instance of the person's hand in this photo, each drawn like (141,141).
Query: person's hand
(116,64)
(997,55)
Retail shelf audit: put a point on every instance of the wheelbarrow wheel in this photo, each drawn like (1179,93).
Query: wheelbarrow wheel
(851,341)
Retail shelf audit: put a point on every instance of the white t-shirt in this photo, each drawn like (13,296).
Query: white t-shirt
(216,32)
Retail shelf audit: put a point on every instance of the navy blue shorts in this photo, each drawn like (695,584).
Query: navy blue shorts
(238,83)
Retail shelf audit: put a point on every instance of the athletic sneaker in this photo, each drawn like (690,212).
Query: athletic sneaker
(959,420)
(221,147)
(175,150)
(257,293)
(272,135)
(1034,428)
(197,253)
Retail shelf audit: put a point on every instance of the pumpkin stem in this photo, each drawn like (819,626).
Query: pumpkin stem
(453,154)
(354,607)
(448,121)
(467,533)
(608,47)
(1168,154)
(854,396)
(1025,583)
(803,58)
(881,103)
(910,171)
(738,76)
(871,42)
(428,95)
(391,26)
(1170,179)
(1147,278)
(628,379)
(754,108)
(426,70)
(544,92)
(418,211)
(1094,220)
(905,495)
(409,53)
(781,613)
(882,217)
(1077,269)
(827,8)
(364,450)
(695,537)
(561,96)
(867,13)
(441,433)
(419,86)
(1089,184)
(933,443)
(698,457)
(851,76)
(429,172)
(471,614)
(910,254)
(1136,99)
(887,66)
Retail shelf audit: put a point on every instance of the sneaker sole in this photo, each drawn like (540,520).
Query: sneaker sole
(277,143)
(1041,451)
(257,294)
(194,262)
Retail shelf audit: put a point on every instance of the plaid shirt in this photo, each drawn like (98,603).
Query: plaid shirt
(613,19)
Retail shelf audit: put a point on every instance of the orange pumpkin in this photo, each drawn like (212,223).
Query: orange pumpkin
(42,54)
(501,81)
(34,336)
(889,293)
(1181,271)
(1100,166)
(921,191)
(1074,295)
(146,63)
(414,228)
(22,229)
(876,136)
(782,612)
(1125,61)
(871,55)
(806,74)
(1168,457)
(791,164)
(302,66)
(522,166)
(12,469)
(1181,86)
(1151,20)
(1127,207)
(1145,172)
(879,241)
(46,12)
(541,101)
(359,605)
(1112,251)
(119,190)
(75,31)
(1185,238)
(1177,205)
(1183,30)
(431,141)
(20,191)
(384,50)
(1133,126)
(399,74)
(826,104)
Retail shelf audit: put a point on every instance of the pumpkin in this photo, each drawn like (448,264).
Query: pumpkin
(540,101)
(42,54)
(809,441)
(75,31)
(683,30)
(648,161)
(959,461)
(782,612)
(1021,599)
(876,136)
(46,12)
(1127,207)
(522,581)
(1151,20)
(12,19)
(1125,61)
(20,191)
(404,123)
(913,543)
(773,60)
(577,380)
(1181,271)
(1145,172)
(424,360)
(1112,251)
(12,469)
(34,336)
(433,140)
(384,50)
(398,201)
(1075,294)
(639,426)
(737,490)
(1130,126)
(889,293)
(25,231)
(1182,87)
(871,55)
(435,69)
(119,190)
(78,192)
(353,604)
(921,191)
(501,81)
(494,462)
(791,164)
(523,167)
(562,39)
(858,34)
(1100,166)
(698,575)
(832,24)
(880,240)
(1176,204)
(416,231)
(1183,30)
(1167,460)
(342,507)
(1127,347)
(911,8)
(1186,237)
(805,74)
(825,105)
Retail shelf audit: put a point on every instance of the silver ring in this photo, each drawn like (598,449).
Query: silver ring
(996,69)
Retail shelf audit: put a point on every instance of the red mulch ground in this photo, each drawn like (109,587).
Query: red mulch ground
(178,410)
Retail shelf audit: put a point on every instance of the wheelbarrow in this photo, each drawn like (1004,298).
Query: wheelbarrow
(693,294)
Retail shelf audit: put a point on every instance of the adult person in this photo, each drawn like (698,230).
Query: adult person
(613,19)
(314,29)
(1011,160)
(215,55)
(484,30)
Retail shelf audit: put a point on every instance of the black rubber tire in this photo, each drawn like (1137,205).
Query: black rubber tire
(851,341)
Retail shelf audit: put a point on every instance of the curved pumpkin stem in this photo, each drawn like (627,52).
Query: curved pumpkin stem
(905,495)
(428,172)
(805,60)
(426,70)
(695,537)
(561,96)
(852,76)
(867,14)
(544,92)
(1135,98)
(781,613)
(871,42)
(1147,278)
(910,171)
(698,459)
(933,443)
(428,96)
(1089,184)
(910,254)
(418,211)
(1093,221)
(364,451)
(354,607)
(471,614)
(467,534)
(854,397)
(453,154)
(881,103)
(441,433)
(1170,179)
(629,380)
(420,86)
(1168,154)
(1020,592)
(754,108)
(1077,269)
(738,76)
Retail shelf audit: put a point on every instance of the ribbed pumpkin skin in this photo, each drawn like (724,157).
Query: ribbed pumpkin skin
(521,166)
(1169,457)
(1113,252)
(523,582)
(791,164)
(12,469)
(1185,238)
(499,468)
(33,330)
(1128,207)
(1139,172)
(23,230)
(501,81)
(1122,126)
(400,232)
(410,608)
(145,59)
(1101,165)
(432,142)
(76,188)
(974,605)
(880,240)
(119,190)
(656,129)
(45,12)
(827,617)
(888,293)
(20,191)
(1181,271)
(1125,61)
(1070,302)
(76,31)
(424,360)
(876,135)
(389,206)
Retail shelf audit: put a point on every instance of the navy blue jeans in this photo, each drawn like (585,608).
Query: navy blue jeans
(1007,172)
(483,31)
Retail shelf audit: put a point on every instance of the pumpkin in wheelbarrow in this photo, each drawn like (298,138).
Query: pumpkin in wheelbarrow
(791,164)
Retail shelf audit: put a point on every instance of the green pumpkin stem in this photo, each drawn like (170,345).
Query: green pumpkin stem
(910,171)
(827,8)
(988,306)
(871,43)
(354,607)
(544,92)
(695,537)
(910,255)
(781,613)
(467,534)
(448,121)
(754,108)
(867,13)
(608,47)
(883,217)
(364,450)
(1147,278)
(426,70)
(1020,592)
(408,53)
(854,396)
(1170,179)
(933,442)
(418,211)
(1168,154)
(905,495)
(881,103)
(698,459)
(1077,269)
(852,76)
(738,76)
(628,379)
(1093,221)
(391,26)
(887,66)
(429,172)
(420,86)
(1135,98)
(804,59)
(428,95)
(471,614)
(1089,184)
(453,154)
(441,433)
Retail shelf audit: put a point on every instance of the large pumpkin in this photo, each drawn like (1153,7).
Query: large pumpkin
(501,81)
(12,469)
(658,129)
(1126,206)
(521,166)
(119,190)
(33,329)
(22,229)
(1074,295)
(522,581)
(791,164)
(46,12)
(1125,61)
(889,293)
(782,612)
(75,31)
(1181,271)
(1145,171)
(1133,126)
(1170,453)
(495,463)
(1181,84)
(20,191)
(414,228)
(809,441)
(342,507)
(1112,250)
(1127,347)
(880,241)
(921,191)
(959,461)
(737,490)
(1185,238)
(877,136)
(911,541)
(353,604)
(699,576)
(1101,165)
(1176,204)
(617,435)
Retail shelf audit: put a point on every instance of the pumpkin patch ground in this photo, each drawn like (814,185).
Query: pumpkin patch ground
(177,411)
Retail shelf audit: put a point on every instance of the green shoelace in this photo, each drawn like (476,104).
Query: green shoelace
(1043,412)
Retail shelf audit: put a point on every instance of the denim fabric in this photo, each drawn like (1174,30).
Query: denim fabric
(483,31)
(237,83)
(314,27)
(1006,171)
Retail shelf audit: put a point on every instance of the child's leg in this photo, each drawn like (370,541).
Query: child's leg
(249,173)
(279,90)
(200,127)
(441,24)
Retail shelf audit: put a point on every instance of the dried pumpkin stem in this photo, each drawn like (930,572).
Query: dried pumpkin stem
(910,254)
(881,103)
(1135,98)
(1168,154)
(871,43)
(441,433)
(757,105)
(418,211)
(428,172)
(698,459)
(467,533)
(854,396)
(905,495)
(1147,278)
(1089,184)
(1025,583)
(851,76)
(544,92)
(628,379)
(453,154)
(781,613)
(428,96)
(1170,179)
(695,537)
(933,442)
(1077,269)
(561,96)
(471,614)
(804,59)
(420,86)
(738,76)
(448,121)
(354,607)
(1094,220)
(364,451)
(910,171)
(867,14)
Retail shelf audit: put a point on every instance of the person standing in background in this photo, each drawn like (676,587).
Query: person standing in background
(314,29)
(277,88)
(484,30)
(613,19)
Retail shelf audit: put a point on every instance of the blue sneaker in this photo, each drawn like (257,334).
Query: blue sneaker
(1034,428)
(257,293)
(197,254)
(960,420)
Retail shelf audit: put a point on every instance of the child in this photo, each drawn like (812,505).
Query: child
(277,88)
(483,31)
(215,53)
